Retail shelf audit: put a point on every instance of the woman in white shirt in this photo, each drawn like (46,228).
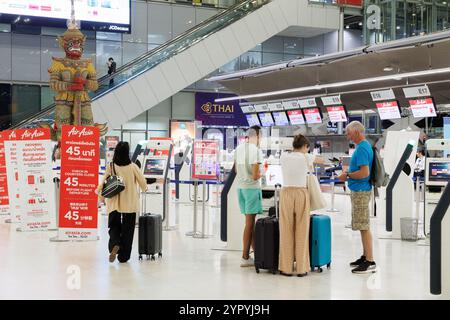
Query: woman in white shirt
(295,208)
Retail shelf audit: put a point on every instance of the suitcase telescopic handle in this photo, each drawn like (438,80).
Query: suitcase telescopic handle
(276,196)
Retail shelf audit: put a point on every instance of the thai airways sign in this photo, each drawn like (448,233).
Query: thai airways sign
(218,113)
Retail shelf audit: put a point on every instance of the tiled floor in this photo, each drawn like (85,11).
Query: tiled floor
(32,267)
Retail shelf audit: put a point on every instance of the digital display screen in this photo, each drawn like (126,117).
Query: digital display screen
(266,119)
(337,114)
(154,167)
(109,15)
(388,110)
(439,171)
(422,108)
(296,117)
(312,115)
(280,118)
(252,120)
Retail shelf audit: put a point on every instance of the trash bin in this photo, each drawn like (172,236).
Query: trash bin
(409,229)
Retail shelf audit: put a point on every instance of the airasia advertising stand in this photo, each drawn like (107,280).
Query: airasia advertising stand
(4,198)
(78,211)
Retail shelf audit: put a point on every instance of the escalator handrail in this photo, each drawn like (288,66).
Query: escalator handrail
(106,78)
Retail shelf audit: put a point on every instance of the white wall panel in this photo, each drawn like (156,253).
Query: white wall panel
(143,91)
(187,65)
(243,36)
(229,43)
(158,82)
(171,71)
(213,47)
(129,102)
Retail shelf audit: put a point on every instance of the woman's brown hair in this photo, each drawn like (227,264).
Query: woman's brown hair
(300,141)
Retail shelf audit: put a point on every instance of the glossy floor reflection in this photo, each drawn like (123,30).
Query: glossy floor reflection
(32,267)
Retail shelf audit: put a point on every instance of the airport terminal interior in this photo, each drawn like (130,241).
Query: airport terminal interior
(185,83)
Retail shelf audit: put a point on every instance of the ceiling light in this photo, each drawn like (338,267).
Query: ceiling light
(360,24)
(388,69)
(398,27)
(338,84)
(347,27)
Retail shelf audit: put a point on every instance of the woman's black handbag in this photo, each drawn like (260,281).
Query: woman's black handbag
(113,185)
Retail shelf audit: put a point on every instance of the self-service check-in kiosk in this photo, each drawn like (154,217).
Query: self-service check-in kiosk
(437,174)
(155,165)
(399,158)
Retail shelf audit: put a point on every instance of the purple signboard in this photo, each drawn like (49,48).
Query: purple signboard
(227,113)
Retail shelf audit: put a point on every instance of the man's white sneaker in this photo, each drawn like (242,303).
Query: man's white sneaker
(247,262)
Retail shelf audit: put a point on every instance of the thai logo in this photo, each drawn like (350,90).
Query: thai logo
(217,108)
(207,107)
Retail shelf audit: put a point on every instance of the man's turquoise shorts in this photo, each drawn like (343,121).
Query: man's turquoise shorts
(250,201)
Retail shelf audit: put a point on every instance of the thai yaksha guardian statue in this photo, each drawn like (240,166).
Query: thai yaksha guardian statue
(72,78)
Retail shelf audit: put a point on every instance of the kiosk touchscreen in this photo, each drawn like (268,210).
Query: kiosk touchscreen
(155,167)
(437,171)
(155,164)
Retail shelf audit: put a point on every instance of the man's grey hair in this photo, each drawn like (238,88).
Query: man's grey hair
(356,126)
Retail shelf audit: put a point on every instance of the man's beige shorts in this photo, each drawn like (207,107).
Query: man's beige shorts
(360,210)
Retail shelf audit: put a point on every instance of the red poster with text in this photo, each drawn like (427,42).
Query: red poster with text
(206,160)
(4,199)
(78,210)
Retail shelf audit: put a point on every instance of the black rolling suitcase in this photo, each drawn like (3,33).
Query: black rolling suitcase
(150,234)
(267,241)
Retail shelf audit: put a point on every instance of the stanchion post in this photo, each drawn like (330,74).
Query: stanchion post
(332,194)
(194,232)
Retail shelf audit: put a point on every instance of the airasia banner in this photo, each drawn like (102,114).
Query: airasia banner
(12,174)
(37,196)
(78,212)
(4,198)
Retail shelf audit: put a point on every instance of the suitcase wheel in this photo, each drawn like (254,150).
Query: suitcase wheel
(140,257)
(160,255)
(320,270)
(153,258)
(257,270)
(274,271)
(148,257)
(329,266)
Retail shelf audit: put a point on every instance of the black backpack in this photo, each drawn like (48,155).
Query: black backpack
(378,175)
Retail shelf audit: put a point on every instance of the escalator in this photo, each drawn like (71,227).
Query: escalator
(162,72)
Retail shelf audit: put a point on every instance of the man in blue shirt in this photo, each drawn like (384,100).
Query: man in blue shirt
(358,177)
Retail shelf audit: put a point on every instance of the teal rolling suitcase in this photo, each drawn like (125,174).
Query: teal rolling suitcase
(320,242)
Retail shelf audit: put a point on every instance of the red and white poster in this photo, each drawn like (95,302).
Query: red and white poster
(422,108)
(205,164)
(388,110)
(78,210)
(4,198)
(37,196)
(112,141)
(312,115)
(337,114)
(12,174)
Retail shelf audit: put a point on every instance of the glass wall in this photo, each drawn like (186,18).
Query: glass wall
(403,18)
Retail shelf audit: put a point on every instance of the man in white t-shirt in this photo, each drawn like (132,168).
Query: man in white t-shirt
(247,161)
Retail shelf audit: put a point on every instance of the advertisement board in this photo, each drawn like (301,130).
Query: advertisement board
(37,196)
(206,160)
(102,15)
(12,174)
(78,210)
(422,108)
(4,198)
(337,114)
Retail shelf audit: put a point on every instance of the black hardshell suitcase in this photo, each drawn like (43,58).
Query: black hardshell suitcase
(267,241)
(150,235)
